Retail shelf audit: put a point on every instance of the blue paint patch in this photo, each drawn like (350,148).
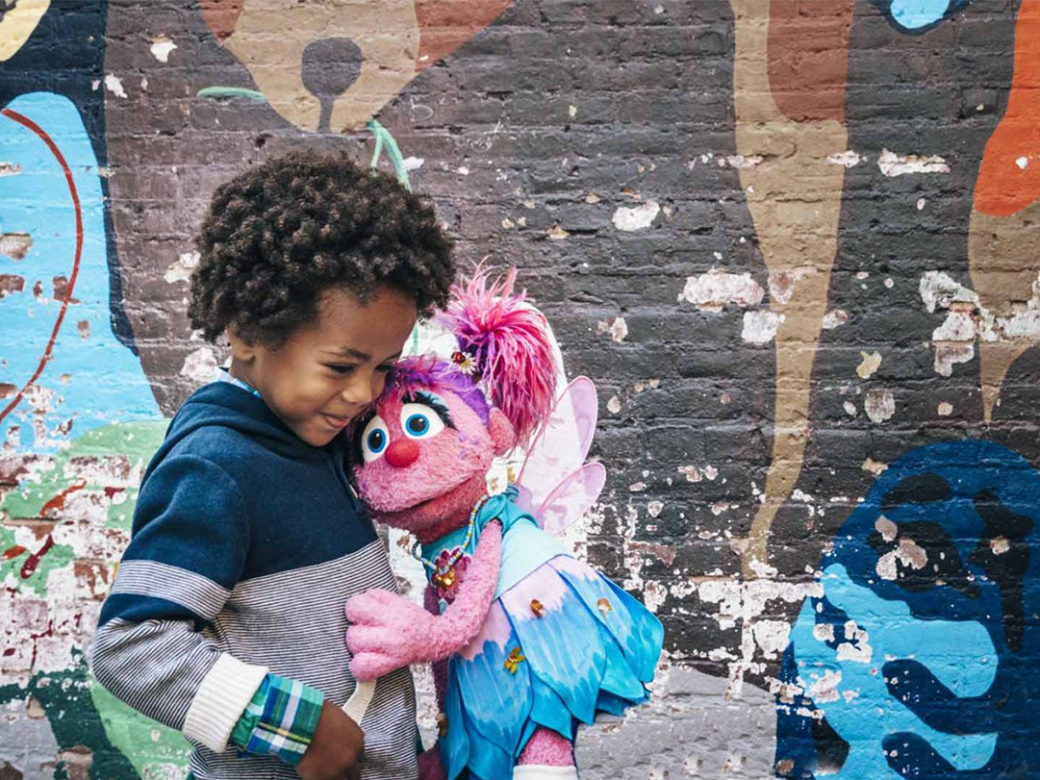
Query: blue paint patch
(917,16)
(920,653)
(91,380)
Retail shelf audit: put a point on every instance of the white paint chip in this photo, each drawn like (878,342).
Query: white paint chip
(180,271)
(945,409)
(870,363)
(760,326)
(115,85)
(849,159)
(413,163)
(835,319)
(892,164)
(713,290)
(636,218)
(1022,162)
(615,326)
(880,405)
(200,365)
(161,49)
(614,404)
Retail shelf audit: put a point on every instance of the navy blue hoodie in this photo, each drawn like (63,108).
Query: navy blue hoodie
(246,544)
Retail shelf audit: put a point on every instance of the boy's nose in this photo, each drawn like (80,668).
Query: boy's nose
(402,453)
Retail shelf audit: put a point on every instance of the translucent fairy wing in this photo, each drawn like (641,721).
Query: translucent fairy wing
(572,498)
(562,444)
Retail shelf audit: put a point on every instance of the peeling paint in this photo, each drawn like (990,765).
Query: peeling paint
(892,164)
(114,85)
(629,219)
(616,327)
(200,365)
(869,365)
(181,269)
(161,49)
(880,405)
(835,319)
(713,290)
(760,326)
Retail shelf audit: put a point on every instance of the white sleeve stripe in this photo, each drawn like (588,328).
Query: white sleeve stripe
(221,699)
(200,594)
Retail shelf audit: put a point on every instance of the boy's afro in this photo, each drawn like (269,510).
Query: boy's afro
(279,235)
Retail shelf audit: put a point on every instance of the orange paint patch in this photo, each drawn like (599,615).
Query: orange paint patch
(1009,177)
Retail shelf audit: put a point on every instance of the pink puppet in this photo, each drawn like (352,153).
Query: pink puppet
(536,641)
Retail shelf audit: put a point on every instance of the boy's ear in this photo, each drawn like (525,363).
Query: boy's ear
(503,434)
(241,350)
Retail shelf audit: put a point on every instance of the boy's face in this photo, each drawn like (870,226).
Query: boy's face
(326,373)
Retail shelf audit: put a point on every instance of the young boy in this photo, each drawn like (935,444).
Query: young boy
(225,620)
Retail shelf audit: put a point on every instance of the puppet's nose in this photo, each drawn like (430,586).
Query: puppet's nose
(402,453)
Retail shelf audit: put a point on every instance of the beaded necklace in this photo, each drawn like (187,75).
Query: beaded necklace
(444,576)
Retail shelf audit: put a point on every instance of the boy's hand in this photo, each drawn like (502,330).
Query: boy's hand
(335,749)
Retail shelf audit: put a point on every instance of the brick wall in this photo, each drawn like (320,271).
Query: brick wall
(793,242)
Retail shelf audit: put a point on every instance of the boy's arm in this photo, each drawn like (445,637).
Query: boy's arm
(191,537)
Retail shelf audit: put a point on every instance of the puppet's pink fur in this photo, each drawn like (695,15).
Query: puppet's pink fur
(387,630)
(547,748)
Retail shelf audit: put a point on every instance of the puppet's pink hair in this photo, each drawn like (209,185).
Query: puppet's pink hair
(508,340)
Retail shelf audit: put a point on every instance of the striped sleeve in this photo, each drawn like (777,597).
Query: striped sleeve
(189,545)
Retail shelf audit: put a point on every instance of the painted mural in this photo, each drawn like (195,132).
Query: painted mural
(792,241)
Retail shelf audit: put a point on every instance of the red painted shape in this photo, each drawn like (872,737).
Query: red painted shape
(58,502)
(13,552)
(110,492)
(34,560)
(42,134)
(808,57)
(1003,186)
(445,25)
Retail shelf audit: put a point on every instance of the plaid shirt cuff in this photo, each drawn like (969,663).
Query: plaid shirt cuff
(280,720)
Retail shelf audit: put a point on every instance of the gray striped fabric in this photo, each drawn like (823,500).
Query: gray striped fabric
(265,621)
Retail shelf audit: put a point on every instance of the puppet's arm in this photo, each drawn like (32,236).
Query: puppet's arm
(390,632)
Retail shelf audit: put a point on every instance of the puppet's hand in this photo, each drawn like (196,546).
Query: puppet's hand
(388,632)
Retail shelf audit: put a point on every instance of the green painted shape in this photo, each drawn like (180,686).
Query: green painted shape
(151,747)
(232,92)
(137,441)
(74,720)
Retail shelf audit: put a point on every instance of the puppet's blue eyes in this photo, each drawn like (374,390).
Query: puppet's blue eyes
(419,421)
(374,439)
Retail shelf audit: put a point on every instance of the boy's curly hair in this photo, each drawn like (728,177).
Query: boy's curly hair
(277,236)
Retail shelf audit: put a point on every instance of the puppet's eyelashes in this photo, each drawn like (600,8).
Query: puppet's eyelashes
(374,439)
(419,421)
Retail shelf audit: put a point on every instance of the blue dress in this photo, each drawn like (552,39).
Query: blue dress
(559,644)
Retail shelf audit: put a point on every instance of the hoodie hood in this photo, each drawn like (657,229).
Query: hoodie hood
(223,404)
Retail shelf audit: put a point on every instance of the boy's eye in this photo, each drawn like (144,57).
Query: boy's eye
(419,421)
(374,439)
(341,369)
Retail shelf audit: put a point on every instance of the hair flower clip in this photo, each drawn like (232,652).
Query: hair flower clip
(464,362)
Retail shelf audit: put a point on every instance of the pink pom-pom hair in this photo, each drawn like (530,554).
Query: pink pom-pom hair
(507,340)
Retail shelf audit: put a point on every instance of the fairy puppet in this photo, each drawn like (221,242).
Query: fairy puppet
(536,640)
